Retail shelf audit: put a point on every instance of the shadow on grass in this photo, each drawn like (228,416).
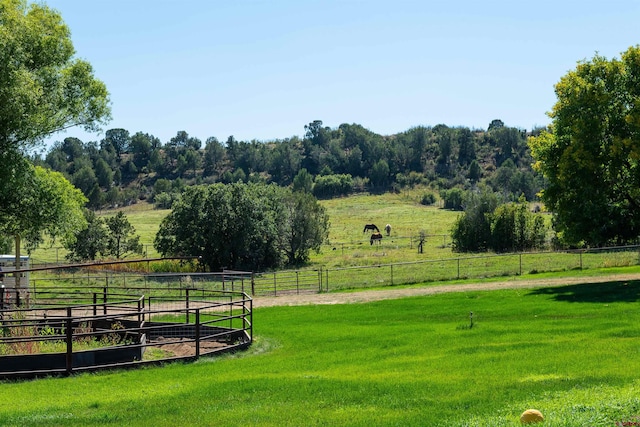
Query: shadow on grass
(626,291)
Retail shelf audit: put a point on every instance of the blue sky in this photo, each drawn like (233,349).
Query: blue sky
(261,69)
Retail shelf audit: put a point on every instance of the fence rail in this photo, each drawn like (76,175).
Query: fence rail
(330,279)
(62,332)
(455,268)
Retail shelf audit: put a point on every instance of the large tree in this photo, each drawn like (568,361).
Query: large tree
(242,226)
(303,224)
(591,154)
(43,88)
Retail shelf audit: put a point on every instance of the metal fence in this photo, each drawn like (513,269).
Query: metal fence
(330,279)
(61,330)
(455,268)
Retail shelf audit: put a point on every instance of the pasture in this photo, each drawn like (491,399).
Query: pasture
(570,351)
(347,216)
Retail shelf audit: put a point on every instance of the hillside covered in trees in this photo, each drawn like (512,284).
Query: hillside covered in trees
(123,168)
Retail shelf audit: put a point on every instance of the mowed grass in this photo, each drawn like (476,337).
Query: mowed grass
(572,352)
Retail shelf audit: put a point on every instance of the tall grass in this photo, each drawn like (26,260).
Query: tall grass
(571,352)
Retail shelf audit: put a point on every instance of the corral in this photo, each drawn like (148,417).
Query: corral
(58,333)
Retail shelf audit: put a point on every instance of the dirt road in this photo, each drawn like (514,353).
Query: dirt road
(392,293)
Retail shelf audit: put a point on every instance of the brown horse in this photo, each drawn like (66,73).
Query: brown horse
(376,237)
(371,227)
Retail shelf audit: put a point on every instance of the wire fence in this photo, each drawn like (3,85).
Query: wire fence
(456,268)
(338,278)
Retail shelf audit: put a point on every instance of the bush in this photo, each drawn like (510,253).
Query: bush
(428,199)
(453,199)
(333,185)
(165,200)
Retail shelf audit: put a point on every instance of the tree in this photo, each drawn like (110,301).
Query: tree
(515,228)
(303,181)
(140,146)
(225,225)
(119,139)
(242,226)
(590,156)
(104,174)
(472,230)
(45,202)
(44,89)
(121,238)
(304,226)
(214,155)
(89,241)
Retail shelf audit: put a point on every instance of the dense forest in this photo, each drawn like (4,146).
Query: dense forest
(123,168)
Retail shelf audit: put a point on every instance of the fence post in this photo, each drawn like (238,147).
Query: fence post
(197,333)
(95,303)
(521,264)
(187,302)
(69,338)
(326,275)
(580,260)
(391,274)
(275,292)
(253,284)
(104,301)
(458,268)
(320,279)
(2,297)
(297,282)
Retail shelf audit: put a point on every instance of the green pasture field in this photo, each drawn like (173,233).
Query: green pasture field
(571,352)
(347,216)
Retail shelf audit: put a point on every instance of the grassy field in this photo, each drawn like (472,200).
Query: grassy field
(347,216)
(572,352)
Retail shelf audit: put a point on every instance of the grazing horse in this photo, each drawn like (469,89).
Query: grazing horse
(376,237)
(371,227)
(387,228)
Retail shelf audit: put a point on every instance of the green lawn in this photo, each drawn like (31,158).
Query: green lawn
(572,352)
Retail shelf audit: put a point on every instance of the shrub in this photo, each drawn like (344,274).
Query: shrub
(428,199)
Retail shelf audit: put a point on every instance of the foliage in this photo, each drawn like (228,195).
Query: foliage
(121,237)
(472,230)
(251,226)
(90,241)
(46,203)
(303,181)
(488,225)
(515,229)
(44,89)
(304,226)
(590,156)
(453,199)
(340,161)
(428,198)
(113,236)
(333,185)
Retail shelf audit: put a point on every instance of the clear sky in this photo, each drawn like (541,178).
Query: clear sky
(262,69)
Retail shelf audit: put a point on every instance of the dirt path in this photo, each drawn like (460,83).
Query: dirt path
(393,293)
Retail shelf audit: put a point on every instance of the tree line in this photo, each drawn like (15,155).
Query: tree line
(122,168)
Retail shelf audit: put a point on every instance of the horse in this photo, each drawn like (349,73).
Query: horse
(371,227)
(387,228)
(376,237)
